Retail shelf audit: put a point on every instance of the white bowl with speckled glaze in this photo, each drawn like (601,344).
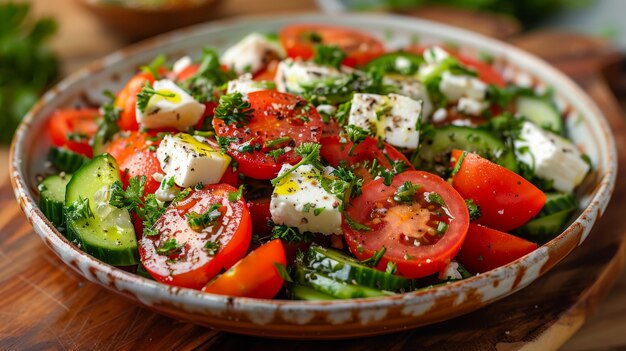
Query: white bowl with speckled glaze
(327,319)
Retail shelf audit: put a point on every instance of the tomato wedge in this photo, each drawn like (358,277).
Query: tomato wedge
(421,230)
(299,40)
(277,116)
(485,249)
(361,158)
(73,128)
(254,276)
(181,256)
(127,99)
(507,200)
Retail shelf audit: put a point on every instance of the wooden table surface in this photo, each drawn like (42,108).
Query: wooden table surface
(46,305)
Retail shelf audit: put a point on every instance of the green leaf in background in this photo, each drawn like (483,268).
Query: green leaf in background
(27,66)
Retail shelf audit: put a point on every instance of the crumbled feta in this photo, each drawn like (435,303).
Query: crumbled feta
(440,115)
(166,191)
(395,118)
(551,157)
(300,201)
(471,106)
(245,85)
(252,53)
(451,272)
(177,110)
(293,75)
(455,87)
(190,161)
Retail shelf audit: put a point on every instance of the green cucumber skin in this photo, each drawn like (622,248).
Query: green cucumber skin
(437,144)
(545,228)
(558,202)
(119,248)
(541,111)
(337,289)
(52,198)
(306,293)
(388,62)
(66,160)
(339,266)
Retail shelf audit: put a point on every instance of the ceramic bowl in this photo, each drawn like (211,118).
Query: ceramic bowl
(327,319)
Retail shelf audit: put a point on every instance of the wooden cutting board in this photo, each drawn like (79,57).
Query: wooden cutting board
(46,305)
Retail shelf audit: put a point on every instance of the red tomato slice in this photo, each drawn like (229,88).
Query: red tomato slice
(188,72)
(192,265)
(73,128)
(299,41)
(276,115)
(334,152)
(260,214)
(408,231)
(507,200)
(135,154)
(254,275)
(127,99)
(485,249)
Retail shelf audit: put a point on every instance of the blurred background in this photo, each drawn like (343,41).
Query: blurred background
(42,41)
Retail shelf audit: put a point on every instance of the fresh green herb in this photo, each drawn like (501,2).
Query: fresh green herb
(198,222)
(199,186)
(355,225)
(168,183)
(343,182)
(224,142)
(356,135)
(318,211)
(406,192)
(343,112)
(282,271)
(204,134)
(473,209)
(235,196)
(435,198)
(291,235)
(169,247)
(375,259)
(233,109)
(249,147)
(329,55)
(391,268)
(77,137)
(339,89)
(212,247)
(181,195)
(79,209)
(146,93)
(310,153)
(153,67)
(276,142)
(205,84)
(459,162)
(306,208)
(275,154)
(441,227)
(131,198)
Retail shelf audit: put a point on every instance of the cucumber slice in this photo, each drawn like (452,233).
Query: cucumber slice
(558,202)
(107,233)
(540,111)
(66,160)
(545,228)
(403,63)
(337,289)
(341,267)
(437,144)
(306,293)
(52,197)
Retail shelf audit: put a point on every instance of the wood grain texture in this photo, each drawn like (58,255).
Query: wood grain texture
(46,305)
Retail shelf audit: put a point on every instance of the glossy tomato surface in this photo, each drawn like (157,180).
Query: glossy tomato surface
(74,128)
(127,99)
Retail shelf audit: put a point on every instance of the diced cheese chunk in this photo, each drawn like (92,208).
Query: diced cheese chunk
(179,111)
(300,201)
(412,88)
(190,161)
(293,75)
(166,191)
(455,87)
(551,156)
(181,64)
(471,106)
(252,53)
(451,272)
(245,85)
(395,118)
(440,115)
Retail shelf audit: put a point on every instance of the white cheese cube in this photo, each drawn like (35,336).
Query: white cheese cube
(412,88)
(293,75)
(176,109)
(245,85)
(300,201)
(190,161)
(252,53)
(395,118)
(455,87)
(471,106)
(551,156)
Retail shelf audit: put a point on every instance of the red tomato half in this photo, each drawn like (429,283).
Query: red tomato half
(485,249)
(135,154)
(73,128)
(276,115)
(334,152)
(507,200)
(408,230)
(299,41)
(127,99)
(254,275)
(189,264)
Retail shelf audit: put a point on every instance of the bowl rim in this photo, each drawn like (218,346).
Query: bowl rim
(51,236)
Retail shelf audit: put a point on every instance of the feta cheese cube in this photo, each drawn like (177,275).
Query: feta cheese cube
(252,53)
(455,87)
(395,118)
(190,161)
(471,106)
(293,75)
(245,85)
(551,157)
(177,109)
(412,88)
(300,201)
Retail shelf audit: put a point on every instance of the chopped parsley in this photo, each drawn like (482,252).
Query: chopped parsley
(459,162)
(329,55)
(233,109)
(355,225)
(474,209)
(79,209)
(406,192)
(235,196)
(153,67)
(198,222)
(211,247)
(291,235)
(146,93)
(169,247)
(435,198)
(356,135)
(375,259)
(310,153)
(283,272)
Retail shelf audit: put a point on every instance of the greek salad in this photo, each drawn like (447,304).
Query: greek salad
(313,164)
